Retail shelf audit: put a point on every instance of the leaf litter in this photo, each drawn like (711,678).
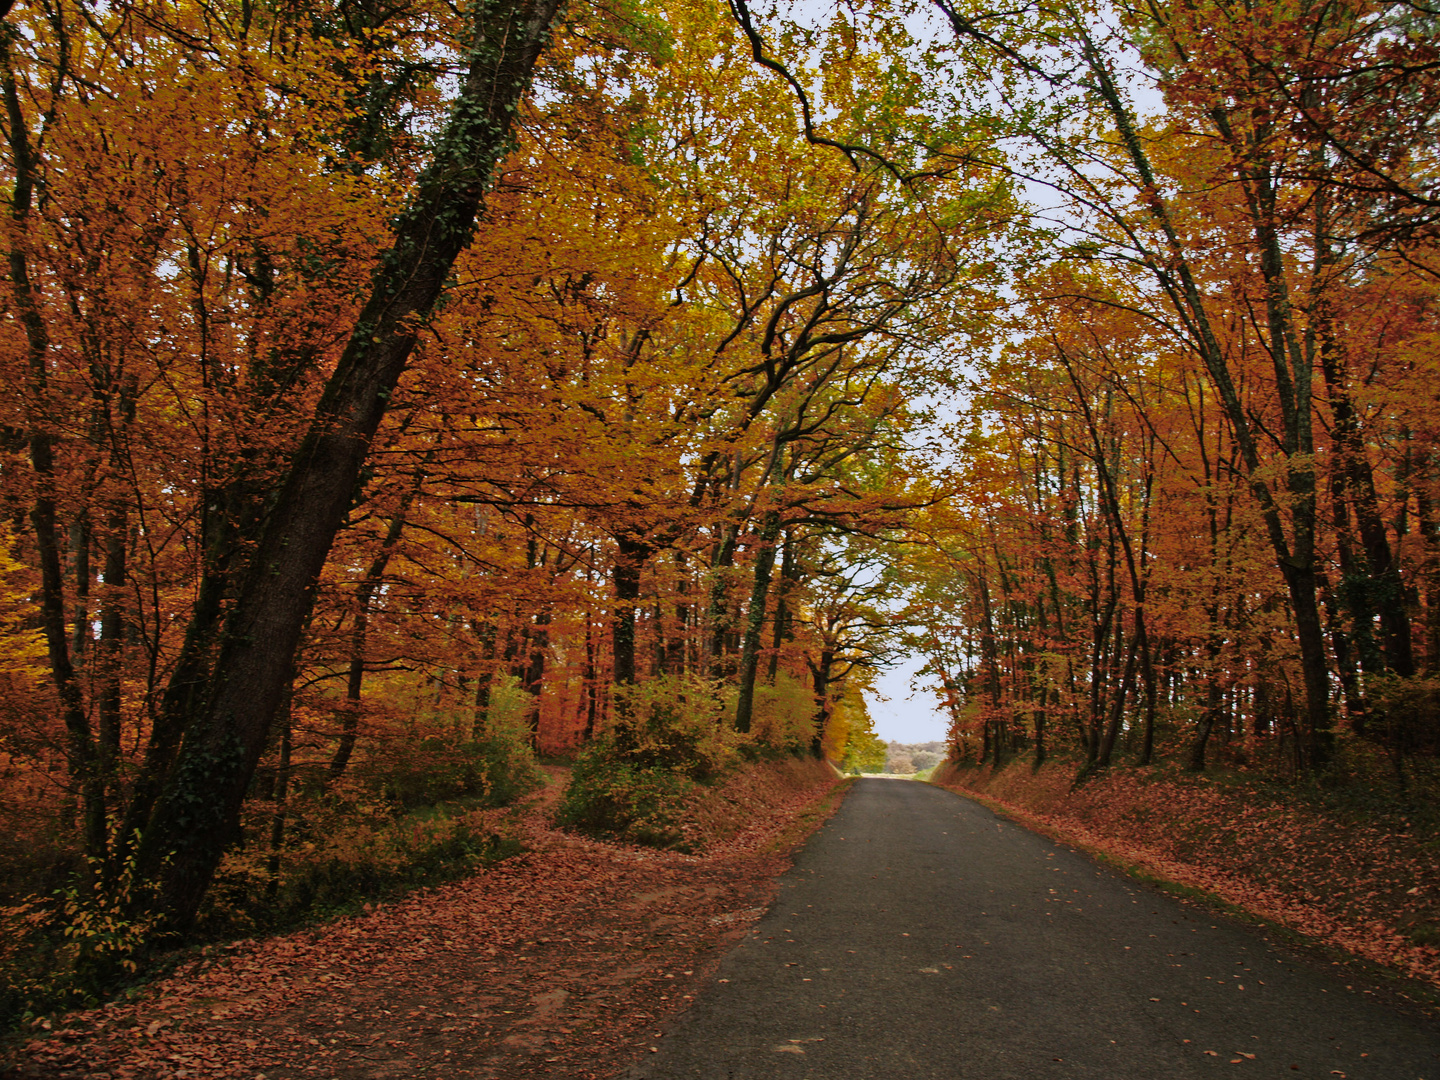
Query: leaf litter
(567,960)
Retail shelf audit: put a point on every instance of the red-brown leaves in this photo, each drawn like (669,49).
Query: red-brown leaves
(558,962)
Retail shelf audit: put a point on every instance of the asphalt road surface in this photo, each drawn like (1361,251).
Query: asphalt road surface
(920,935)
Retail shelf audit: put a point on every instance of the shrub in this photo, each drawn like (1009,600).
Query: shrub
(675,723)
(108,925)
(361,863)
(340,853)
(1404,714)
(492,771)
(397,821)
(614,796)
(69,949)
(784,718)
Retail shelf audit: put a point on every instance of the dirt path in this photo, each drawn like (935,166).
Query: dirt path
(561,962)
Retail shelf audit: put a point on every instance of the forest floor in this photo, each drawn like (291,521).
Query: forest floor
(1361,880)
(563,961)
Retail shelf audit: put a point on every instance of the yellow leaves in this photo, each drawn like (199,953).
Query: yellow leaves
(22,647)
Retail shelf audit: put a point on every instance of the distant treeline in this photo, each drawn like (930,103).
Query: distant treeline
(913,757)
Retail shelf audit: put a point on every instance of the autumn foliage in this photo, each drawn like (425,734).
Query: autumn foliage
(395,393)
(1199,478)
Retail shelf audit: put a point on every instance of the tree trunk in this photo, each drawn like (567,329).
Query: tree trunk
(44,518)
(589,679)
(718,619)
(1430,562)
(782,607)
(676,643)
(198,811)
(282,798)
(755,620)
(111,649)
(360,628)
(1196,760)
(80,556)
(820,687)
(1152,693)
(1117,704)
(631,554)
(487,635)
(534,680)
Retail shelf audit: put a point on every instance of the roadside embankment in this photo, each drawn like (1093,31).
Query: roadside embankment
(565,960)
(773,791)
(1370,887)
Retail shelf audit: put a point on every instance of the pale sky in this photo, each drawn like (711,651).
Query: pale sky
(906,717)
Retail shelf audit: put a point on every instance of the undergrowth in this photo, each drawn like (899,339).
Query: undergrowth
(672,737)
(383,829)
(616,798)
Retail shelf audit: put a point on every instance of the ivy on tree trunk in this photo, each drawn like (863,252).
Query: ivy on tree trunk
(197,813)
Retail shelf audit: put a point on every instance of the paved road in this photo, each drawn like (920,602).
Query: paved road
(919,935)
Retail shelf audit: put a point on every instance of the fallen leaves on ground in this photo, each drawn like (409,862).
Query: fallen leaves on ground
(565,961)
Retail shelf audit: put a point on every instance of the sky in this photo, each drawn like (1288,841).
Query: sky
(906,717)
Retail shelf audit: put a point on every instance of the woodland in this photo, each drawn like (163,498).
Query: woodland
(399,396)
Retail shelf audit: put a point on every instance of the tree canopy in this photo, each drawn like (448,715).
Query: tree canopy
(389,380)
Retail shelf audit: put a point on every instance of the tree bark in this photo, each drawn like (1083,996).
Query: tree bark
(755,620)
(782,607)
(820,688)
(533,681)
(44,518)
(360,630)
(1117,703)
(718,614)
(111,649)
(197,814)
(631,554)
(487,634)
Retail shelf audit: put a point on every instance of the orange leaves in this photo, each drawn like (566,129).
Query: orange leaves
(1183,449)
(570,954)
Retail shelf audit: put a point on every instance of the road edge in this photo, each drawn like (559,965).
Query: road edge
(1399,987)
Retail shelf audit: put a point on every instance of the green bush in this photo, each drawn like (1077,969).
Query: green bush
(493,771)
(39,969)
(1404,714)
(361,864)
(614,796)
(388,826)
(678,724)
(340,853)
(670,734)
(784,718)
(397,821)
(68,950)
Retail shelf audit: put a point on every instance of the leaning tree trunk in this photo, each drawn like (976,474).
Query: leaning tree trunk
(197,814)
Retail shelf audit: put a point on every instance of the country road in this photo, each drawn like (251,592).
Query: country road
(920,935)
